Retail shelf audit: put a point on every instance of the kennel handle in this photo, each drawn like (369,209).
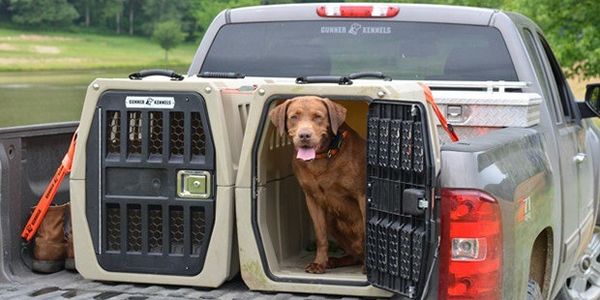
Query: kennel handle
(151,72)
(341,80)
(371,74)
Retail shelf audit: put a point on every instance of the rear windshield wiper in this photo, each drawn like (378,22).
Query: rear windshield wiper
(341,80)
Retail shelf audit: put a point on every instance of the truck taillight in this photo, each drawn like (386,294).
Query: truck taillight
(471,245)
(358,11)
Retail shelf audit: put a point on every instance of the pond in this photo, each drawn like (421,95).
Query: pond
(49,96)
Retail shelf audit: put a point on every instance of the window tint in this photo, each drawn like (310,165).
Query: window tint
(559,78)
(402,50)
(540,72)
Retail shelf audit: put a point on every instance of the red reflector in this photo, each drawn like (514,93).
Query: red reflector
(471,246)
(358,11)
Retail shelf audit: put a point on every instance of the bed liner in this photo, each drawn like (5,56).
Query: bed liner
(68,285)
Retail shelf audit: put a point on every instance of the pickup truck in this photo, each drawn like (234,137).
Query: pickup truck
(537,186)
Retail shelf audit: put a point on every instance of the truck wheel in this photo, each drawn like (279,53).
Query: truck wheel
(584,280)
(533,290)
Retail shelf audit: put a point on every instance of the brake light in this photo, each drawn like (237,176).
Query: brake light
(358,11)
(471,246)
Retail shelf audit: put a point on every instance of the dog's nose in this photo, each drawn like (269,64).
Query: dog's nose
(304,135)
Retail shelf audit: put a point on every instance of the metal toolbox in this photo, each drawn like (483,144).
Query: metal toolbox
(484,109)
(475,113)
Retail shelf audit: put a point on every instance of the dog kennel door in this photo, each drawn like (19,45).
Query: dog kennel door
(150,166)
(399,170)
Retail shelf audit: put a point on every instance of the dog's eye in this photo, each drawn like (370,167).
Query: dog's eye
(317,118)
(294,117)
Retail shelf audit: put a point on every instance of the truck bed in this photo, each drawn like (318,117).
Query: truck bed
(68,285)
(34,152)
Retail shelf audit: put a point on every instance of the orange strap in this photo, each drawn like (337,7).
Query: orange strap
(447,127)
(39,212)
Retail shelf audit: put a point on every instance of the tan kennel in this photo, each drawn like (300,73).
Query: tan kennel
(152,184)
(274,229)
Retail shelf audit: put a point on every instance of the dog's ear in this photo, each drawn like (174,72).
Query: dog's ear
(278,116)
(337,114)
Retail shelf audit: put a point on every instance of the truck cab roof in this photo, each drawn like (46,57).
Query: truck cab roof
(408,12)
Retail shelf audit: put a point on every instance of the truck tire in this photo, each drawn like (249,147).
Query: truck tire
(533,290)
(581,283)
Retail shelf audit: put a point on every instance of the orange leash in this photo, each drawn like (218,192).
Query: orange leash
(41,208)
(447,127)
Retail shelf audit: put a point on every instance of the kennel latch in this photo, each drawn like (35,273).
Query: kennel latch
(193,184)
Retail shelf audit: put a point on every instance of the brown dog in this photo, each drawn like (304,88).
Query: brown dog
(329,163)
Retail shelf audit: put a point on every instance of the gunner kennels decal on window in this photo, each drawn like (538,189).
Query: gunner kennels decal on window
(356,29)
(149,102)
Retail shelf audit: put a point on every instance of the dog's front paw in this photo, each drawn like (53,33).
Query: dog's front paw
(315,268)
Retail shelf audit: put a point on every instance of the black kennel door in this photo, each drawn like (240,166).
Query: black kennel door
(138,220)
(399,170)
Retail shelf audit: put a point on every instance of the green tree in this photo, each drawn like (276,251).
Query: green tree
(4,13)
(168,35)
(42,12)
(132,9)
(157,11)
(86,9)
(572,28)
(111,14)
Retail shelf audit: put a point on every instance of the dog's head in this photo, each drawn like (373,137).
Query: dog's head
(310,121)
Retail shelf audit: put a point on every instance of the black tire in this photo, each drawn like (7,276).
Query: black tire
(533,290)
(563,295)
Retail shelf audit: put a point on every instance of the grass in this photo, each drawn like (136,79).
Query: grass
(27,51)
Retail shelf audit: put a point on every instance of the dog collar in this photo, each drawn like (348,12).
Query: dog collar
(334,147)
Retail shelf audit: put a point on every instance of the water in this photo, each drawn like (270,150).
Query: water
(48,96)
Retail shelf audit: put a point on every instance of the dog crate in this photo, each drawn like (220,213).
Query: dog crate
(276,238)
(152,184)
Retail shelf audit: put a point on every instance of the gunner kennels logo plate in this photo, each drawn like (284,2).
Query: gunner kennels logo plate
(150,102)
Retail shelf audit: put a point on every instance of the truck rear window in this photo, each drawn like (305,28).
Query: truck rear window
(402,50)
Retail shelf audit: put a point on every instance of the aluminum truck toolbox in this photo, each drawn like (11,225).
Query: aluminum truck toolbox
(152,184)
(489,109)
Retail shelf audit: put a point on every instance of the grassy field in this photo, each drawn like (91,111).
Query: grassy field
(27,51)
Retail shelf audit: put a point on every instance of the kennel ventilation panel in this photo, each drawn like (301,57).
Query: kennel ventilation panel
(399,191)
(140,223)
